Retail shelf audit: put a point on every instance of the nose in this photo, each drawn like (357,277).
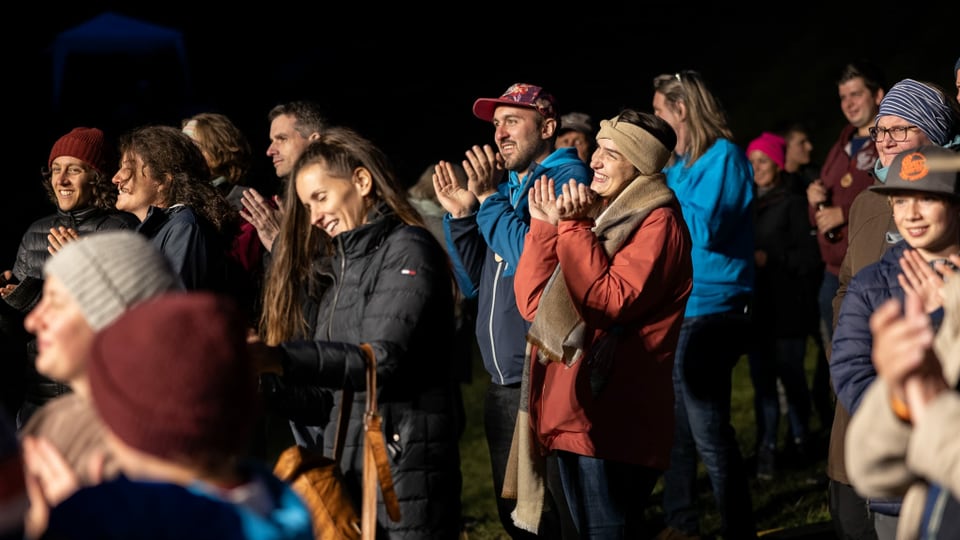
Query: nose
(271,151)
(32,321)
(316,217)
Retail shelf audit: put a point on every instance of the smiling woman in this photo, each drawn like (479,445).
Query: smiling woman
(355,273)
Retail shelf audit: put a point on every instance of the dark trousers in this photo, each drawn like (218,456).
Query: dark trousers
(852,518)
(500,406)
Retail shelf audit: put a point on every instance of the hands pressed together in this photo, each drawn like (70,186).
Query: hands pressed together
(575,201)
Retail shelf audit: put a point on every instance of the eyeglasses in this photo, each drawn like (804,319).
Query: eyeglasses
(898,134)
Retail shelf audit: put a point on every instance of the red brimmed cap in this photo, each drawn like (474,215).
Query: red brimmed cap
(518,95)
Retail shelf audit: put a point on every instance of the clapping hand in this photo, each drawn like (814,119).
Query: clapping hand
(484,168)
(264,217)
(543,201)
(919,278)
(453,197)
(59,237)
(576,201)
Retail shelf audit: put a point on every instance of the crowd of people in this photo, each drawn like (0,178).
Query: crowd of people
(609,274)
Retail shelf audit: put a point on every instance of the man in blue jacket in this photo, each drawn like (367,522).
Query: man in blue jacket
(485,226)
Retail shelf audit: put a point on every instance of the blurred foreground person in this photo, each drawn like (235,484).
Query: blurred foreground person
(178,431)
(87,285)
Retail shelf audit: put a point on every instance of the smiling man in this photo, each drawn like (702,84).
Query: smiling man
(77,181)
(485,226)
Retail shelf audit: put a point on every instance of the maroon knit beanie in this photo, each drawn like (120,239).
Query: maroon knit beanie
(86,144)
(172,378)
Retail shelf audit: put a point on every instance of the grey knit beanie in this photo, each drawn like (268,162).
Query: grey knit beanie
(110,271)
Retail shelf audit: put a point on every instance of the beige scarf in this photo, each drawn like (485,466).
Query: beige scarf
(559,334)
(557,331)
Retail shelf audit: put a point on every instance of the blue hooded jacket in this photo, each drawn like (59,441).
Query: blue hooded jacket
(485,249)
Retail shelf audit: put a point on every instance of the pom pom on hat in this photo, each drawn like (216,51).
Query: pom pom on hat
(771,144)
(83,143)
(172,377)
(107,272)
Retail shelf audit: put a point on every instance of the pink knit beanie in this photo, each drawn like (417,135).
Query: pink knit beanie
(771,144)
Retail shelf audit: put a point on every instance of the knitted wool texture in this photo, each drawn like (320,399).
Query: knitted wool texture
(85,144)
(172,378)
(108,272)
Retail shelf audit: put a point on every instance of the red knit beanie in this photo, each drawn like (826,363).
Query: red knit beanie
(172,378)
(86,144)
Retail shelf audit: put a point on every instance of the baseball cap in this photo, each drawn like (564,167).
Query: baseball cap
(518,95)
(931,169)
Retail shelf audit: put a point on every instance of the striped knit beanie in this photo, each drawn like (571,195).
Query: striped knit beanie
(922,106)
(109,271)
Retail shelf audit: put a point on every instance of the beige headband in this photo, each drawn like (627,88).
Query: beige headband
(642,149)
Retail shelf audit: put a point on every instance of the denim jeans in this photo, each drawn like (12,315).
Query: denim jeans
(781,358)
(708,349)
(605,497)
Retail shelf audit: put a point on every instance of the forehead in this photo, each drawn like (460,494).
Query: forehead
(66,161)
(54,288)
(759,155)
(917,194)
(508,111)
(573,134)
(317,176)
(283,124)
(607,144)
(890,120)
(855,84)
(130,157)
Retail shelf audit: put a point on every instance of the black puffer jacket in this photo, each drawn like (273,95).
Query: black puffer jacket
(389,285)
(33,246)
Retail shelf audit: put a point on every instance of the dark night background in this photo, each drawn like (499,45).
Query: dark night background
(406,74)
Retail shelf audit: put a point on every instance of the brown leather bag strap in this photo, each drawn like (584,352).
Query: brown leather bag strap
(375,464)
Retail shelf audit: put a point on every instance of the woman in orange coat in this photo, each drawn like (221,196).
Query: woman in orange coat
(604,277)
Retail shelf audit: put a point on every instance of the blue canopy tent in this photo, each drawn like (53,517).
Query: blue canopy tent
(111,38)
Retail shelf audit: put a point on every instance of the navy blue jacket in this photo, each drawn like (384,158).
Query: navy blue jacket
(851,367)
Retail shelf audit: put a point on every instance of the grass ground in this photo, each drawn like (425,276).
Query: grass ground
(795,500)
